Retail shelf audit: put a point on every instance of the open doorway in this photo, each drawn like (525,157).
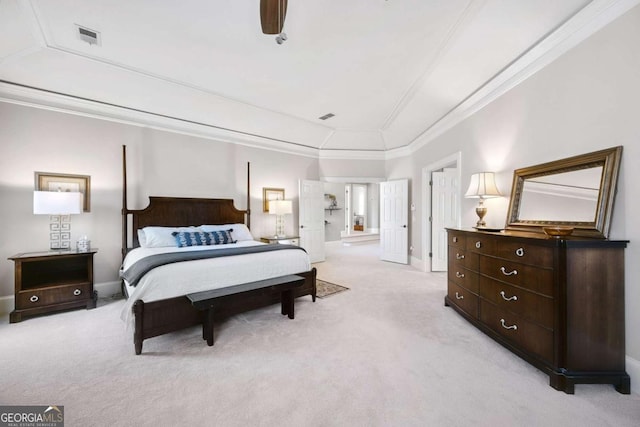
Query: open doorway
(352,210)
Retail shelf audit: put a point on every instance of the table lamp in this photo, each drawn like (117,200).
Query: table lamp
(280,208)
(482,186)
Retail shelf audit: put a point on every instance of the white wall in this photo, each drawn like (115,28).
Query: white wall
(159,164)
(585,101)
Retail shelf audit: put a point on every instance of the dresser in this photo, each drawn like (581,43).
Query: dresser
(556,302)
(51,281)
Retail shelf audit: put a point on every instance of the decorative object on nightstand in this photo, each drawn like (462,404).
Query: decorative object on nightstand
(285,240)
(52,281)
(280,208)
(269,194)
(482,186)
(59,205)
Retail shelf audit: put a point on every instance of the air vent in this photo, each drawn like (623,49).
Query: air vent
(89,36)
(326,116)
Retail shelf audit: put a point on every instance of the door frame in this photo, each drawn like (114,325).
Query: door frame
(456,159)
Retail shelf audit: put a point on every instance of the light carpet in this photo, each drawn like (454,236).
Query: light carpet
(386,353)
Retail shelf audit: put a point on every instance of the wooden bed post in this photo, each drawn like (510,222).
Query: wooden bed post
(249,195)
(125,211)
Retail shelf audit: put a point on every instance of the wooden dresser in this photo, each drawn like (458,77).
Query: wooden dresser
(557,303)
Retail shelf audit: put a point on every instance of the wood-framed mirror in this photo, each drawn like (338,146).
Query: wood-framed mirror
(576,192)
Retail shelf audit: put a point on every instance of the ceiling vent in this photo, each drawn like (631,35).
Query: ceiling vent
(90,36)
(326,116)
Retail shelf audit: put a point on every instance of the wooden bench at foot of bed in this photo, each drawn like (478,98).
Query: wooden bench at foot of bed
(209,301)
(157,318)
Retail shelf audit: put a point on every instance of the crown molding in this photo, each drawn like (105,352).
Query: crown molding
(352,155)
(583,24)
(578,28)
(41,99)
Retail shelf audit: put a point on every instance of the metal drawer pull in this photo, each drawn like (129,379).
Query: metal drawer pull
(478,245)
(77,292)
(513,298)
(520,251)
(511,273)
(34,298)
(458,256)
(458,296)
(514,327)
(459,275)
(455,240)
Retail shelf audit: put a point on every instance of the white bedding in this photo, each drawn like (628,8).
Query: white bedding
(182,278)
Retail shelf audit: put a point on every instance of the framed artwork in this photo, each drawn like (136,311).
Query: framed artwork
(271,194)
(46,181)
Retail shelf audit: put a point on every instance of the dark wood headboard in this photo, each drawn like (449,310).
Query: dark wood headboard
(178,211)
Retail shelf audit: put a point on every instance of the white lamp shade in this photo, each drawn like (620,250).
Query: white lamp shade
(483,185)
(280,207)
(57,202)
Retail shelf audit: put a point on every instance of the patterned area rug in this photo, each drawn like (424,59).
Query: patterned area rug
(325,289)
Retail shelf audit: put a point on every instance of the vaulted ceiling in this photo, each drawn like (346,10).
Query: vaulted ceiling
(393,72)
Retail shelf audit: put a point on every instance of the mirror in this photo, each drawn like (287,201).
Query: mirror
(578,192)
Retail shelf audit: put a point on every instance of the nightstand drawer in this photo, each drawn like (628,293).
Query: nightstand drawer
(53,295)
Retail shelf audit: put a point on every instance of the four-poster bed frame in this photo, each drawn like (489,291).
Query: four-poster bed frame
(167,315)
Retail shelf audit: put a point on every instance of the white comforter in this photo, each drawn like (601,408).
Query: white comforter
(182,278)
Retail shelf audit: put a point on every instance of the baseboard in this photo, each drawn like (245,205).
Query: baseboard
(417,263)
(105,290)
(633,369)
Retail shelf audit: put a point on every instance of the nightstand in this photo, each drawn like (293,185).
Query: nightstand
(52,281)
(285,240)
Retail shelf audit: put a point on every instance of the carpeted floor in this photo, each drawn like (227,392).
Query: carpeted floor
(386,353)
(326,289)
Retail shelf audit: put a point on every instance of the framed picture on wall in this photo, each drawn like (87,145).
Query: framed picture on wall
(46,181)
(269,194)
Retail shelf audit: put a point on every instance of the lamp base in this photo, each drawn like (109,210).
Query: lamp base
(481,211)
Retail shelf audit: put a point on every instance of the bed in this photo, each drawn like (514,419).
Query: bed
(156,311)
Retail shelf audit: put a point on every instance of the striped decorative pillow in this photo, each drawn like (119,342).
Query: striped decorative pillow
(203,238)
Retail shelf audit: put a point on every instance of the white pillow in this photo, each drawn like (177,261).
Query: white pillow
(158,237)
(240,231)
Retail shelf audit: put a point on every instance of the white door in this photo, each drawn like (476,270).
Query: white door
(311,218)
(394,218)
(444,213)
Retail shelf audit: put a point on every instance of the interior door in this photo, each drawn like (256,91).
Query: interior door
(394,218)
(444,213)
(311,218)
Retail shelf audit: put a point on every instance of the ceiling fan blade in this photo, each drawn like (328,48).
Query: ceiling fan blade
(269,11)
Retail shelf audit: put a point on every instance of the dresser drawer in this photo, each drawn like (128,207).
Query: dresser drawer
(52,295)
(481,243)
(540,256)
(526,276)
(464,299)
(456,239)
(529,306)
(459,257)
(526,335)
(466,278)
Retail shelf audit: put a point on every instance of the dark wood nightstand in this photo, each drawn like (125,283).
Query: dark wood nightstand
(52,281)
(288,240)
